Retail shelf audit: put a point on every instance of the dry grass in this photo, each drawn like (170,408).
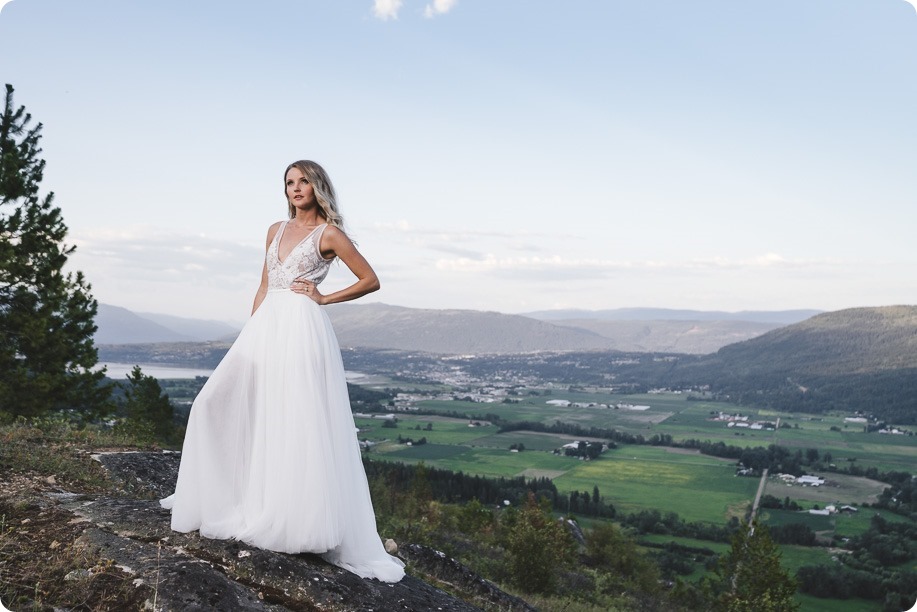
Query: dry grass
(44,564)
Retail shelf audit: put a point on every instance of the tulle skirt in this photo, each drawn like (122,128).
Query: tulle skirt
(271,455)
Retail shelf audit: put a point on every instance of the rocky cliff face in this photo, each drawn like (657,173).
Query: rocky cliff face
(184,572)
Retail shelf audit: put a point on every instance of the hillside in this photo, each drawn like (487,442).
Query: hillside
(853,341)
(855,359)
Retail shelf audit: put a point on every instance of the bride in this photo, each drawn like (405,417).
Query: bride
(271,456)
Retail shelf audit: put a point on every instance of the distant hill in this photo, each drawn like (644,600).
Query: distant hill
(697,337)
(454,331)
(862,357)
(852,341)
(118,325)
(201,330)
(776,317)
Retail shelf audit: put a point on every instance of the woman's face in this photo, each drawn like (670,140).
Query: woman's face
(299,191)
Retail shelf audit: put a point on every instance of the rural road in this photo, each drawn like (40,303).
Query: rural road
(754,506)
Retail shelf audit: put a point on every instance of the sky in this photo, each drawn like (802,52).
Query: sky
(504,155)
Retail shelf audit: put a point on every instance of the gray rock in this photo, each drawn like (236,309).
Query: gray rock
(142,474)
(187,572)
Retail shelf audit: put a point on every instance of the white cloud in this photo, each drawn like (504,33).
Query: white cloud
(152,254)
(557,263)
(386,9)
(438,7)
(401,226)
(454,234)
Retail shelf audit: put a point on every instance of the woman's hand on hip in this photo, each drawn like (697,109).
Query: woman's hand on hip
(308,289)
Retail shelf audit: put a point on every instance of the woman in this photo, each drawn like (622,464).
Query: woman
(271,456)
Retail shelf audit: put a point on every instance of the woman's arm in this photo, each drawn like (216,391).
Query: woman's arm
(334,242)
(262,289)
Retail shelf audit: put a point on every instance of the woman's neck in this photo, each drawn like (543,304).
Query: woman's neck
(306,219)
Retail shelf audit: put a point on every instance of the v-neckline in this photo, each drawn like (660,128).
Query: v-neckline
(295,246)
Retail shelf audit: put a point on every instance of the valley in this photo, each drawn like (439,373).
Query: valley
(669,446)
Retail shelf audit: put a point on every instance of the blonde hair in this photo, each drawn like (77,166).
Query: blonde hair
(324,191)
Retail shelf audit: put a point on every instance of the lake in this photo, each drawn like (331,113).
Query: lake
(119,371)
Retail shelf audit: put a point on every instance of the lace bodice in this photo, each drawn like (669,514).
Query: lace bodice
(304,261)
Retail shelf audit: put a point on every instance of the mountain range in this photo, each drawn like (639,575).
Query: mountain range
(376,325)
(117,325)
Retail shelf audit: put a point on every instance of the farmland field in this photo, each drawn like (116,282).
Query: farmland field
(632,478)
(838,489)
(637,477)
(643,477)
(673,414)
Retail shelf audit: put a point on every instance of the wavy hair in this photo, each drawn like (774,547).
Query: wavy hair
(324,191)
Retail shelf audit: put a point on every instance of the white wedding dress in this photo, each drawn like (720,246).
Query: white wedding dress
(271,455)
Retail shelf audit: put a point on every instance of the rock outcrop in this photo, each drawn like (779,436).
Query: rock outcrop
(186,572)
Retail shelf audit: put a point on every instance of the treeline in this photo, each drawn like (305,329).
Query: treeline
(456,487)
(448,486)
(891,394)
(669,523)
(901,496)
(877,567)
(364,399)
(571,429)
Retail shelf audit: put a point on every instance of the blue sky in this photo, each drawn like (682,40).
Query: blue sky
(500,155)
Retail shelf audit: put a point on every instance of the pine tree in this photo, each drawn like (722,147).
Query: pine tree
(46,316)
(750,577)
(538,546)
(147,407)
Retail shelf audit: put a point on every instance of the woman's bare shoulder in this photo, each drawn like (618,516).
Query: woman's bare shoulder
(272,230)
(331,230)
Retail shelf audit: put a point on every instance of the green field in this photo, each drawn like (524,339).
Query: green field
(444,430)
(635,478)
(809,603)
(531,439)
(815,522)
(673,414)
(697,487)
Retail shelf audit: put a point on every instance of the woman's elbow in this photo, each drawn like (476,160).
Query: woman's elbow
(374,285)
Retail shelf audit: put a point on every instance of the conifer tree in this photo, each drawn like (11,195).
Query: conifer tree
(46,316)
(146,406)
(538,546)
(750,577)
